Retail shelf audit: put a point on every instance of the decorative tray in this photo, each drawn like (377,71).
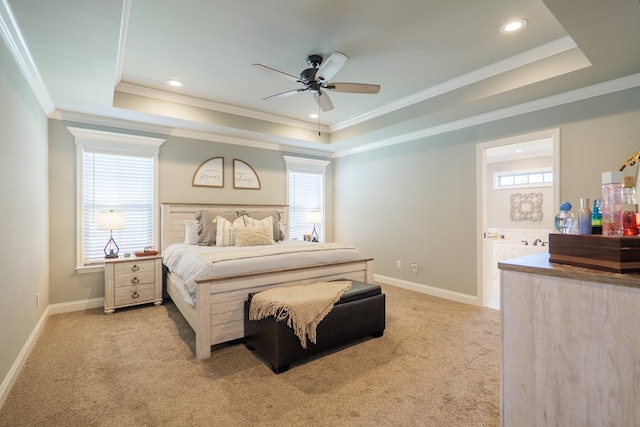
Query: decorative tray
(145,253)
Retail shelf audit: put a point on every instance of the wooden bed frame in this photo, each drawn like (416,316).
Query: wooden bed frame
(218,313)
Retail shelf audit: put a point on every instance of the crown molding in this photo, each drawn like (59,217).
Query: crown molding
(592,91)
(14,40)
(122,40)
(140,126)
(148,92)
(525,58)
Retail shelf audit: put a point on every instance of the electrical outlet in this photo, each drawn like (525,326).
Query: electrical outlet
(398,264)
(37,300)
(414,267)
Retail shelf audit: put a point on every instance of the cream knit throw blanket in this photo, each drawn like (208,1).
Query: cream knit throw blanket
(305,306)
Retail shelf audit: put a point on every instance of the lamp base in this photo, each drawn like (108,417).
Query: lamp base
(111,249)
(313,237)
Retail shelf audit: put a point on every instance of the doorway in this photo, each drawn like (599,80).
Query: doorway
(541,146)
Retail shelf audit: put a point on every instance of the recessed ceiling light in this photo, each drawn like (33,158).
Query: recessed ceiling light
(513,26)
(314,116)
(175,83)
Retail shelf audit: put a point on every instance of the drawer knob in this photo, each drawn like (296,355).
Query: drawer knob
(135,280)
(135,294)
(135,267)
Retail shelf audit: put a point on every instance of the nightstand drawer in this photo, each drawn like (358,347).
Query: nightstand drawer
(134,273)
(134,267)
(134,294)
(129,279)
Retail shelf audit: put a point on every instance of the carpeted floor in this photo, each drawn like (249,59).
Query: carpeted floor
(436,365)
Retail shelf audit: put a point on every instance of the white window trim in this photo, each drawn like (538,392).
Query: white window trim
(302,164)
(117,143)
(497,175)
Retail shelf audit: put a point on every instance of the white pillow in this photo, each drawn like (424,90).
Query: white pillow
(191,232)
(224,230)
(252,222)
(253,236)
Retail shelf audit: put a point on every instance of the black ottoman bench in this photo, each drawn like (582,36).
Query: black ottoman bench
(359,312)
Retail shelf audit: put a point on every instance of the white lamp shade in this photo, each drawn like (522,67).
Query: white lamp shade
(314,217)
(111,220)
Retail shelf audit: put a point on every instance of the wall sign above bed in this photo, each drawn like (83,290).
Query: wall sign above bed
(244,176)
(210,173)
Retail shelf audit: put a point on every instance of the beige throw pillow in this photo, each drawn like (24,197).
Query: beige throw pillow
(253,236)
(224,230)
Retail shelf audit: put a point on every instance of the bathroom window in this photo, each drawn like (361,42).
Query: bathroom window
(523,179)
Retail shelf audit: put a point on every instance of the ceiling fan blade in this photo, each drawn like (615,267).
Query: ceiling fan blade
(287,93)
(331,66)
(276,72)
(323,101)
(353,87)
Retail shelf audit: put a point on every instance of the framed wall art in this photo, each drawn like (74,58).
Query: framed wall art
(210,173)
(244,176)
(526,206)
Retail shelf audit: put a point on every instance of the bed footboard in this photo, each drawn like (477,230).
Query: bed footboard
(218,314)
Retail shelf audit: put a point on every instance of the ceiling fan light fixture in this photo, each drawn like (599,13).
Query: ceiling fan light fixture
(175,83)
(513,26)
(314,115)
(316,79)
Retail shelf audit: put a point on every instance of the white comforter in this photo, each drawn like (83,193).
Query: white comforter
(186,261)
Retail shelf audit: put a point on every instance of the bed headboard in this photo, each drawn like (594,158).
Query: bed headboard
(173,216)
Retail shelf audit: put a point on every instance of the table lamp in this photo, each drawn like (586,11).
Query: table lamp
(314,218)
(111,220)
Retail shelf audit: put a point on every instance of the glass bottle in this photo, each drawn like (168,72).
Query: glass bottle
(584,217)
(612,203)
(564,218)
(629,207)
(596,217)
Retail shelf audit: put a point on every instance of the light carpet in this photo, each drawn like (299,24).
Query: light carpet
(436,365)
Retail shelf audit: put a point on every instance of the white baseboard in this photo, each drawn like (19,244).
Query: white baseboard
(12,375)
(429,290)
(66,307)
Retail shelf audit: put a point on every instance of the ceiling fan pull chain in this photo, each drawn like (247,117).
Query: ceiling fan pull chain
(318,119)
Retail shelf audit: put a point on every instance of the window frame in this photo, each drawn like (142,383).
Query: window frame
(111,143)
(312,166)
(516,173)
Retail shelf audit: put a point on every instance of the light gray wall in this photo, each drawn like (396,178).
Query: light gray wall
(24,215)
(499,201)
(178,160)
(416,202)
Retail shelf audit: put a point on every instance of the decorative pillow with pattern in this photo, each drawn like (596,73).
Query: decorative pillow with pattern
(278,235)
(253,235)
(224,230)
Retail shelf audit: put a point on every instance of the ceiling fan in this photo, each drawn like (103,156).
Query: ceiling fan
(316,79)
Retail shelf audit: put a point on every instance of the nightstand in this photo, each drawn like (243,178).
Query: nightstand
(132,281)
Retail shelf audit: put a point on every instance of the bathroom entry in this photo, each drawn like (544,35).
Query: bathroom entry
(515,209)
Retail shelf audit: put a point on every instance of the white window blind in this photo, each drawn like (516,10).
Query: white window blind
(117,182)
(114,172)
(305,196)
(305,181)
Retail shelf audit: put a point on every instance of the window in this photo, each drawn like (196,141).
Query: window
(523,179)
(114,172)
(305,190)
